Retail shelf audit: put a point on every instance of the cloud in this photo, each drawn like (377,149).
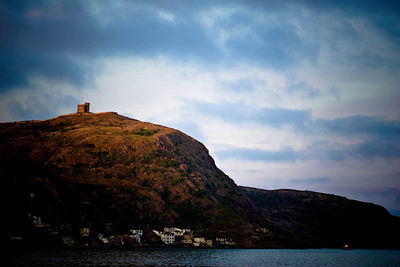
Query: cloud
(240,85)
(235,112)
(277,91)
(313,180)
(50,99)
(286,154)
(376,126)
(338,139)
(58,40)
(367,150)
(322,151)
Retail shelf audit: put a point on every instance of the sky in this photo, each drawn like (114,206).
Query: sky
(284,94)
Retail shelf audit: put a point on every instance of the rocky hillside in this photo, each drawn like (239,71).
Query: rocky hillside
(90,169)
(324,220)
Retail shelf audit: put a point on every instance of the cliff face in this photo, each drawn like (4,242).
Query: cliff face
(91,169)
(324,220)
(87,170)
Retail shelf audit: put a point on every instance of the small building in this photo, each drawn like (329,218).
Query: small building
(177,231)
(225,241)
(188,236)
(168,238)
(174,235)
(187,241)
(199,241)
(137,234)
(83,108)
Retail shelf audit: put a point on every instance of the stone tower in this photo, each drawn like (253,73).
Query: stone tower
(83,108)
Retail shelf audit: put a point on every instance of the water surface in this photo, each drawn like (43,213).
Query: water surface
(211,257)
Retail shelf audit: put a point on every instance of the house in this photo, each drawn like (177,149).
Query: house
(187,241)
(83,108)
(225,241)
(170,229)
(188,235)
(168,238)
(137,234)
(176,231)
(172,235)
(199,241)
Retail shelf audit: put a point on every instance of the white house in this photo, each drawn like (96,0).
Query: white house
(168,238)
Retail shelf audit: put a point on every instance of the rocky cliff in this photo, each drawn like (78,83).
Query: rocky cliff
(92,169)
(89,170)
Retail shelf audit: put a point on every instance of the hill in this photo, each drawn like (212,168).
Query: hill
(325,220)
(93,170)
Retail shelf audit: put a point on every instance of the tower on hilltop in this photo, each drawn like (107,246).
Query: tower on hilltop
(83,108)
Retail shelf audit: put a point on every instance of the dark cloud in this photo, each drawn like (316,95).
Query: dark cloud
(321,151)
(42,106)
(364,150)
(272,44)
(61,39)
(238,113)
(43,39)
(388,7)
(361,125)
(379,137)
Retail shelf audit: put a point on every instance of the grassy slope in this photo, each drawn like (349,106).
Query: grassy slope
(96,168)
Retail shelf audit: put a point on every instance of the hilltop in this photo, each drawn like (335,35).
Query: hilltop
(87,170)
(91,169)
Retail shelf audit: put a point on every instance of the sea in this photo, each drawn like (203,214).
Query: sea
(209,257)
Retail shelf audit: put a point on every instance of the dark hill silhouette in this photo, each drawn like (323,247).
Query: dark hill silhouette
(325,220)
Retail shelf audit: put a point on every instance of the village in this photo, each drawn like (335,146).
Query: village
(44,235)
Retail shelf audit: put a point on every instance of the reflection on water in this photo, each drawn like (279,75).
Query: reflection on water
(211,257)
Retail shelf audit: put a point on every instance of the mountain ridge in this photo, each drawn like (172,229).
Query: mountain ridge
(90,169)
(328,220)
